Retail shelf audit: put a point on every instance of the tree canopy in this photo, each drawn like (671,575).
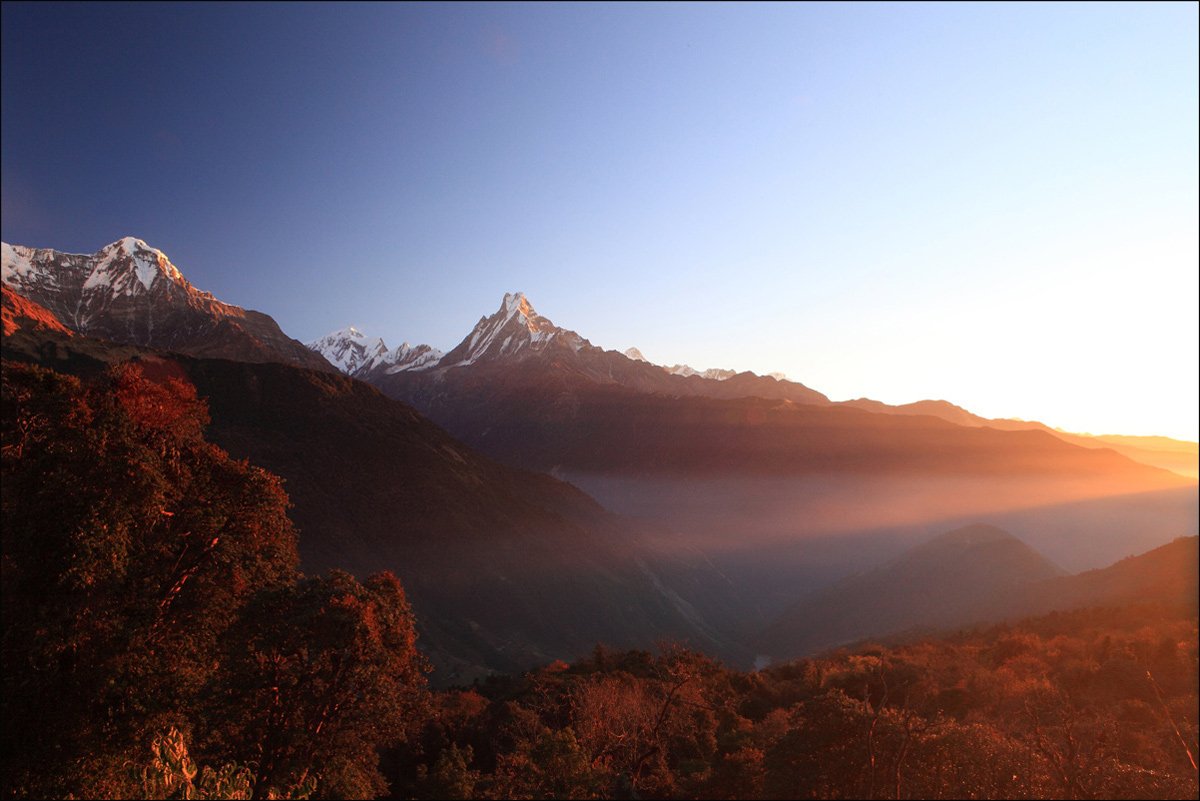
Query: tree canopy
(151,582)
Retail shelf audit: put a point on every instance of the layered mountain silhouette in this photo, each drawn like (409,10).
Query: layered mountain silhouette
(971,575)
(763,458)
(1165,575)
(516,334)
(131,293)
(516,337)
(960,577)
(507,568)
(1169,454)
(542,396)
(750,490)
(768,477)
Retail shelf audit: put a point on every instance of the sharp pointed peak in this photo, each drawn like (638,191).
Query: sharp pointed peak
(517,303)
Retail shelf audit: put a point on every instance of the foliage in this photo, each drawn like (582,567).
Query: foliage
(133,553)
(1058,707)
(319,674)
(171,773)
(151,601)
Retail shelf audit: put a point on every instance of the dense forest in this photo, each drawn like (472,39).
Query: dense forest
(159,641)
(1091,704)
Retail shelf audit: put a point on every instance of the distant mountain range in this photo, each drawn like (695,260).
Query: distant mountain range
(130,292)
(968,576)
(753,493)
(542,397)
(516,334)
(356,354)
(768,476)
(1169,454)
(517,337)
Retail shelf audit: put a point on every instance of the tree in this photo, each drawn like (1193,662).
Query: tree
(319,676)
(130,545)
(172,773)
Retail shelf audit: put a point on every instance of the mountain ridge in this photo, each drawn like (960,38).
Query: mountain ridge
(969,576)
(508,568)
(354,353)
(517,331)
(131,293)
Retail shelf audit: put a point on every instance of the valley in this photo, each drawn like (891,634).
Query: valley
(650,503)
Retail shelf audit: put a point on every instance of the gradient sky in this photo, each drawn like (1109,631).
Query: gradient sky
(993,204)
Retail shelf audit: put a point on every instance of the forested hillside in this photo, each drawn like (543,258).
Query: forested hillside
(151,585)
(159,642)
(1097,703)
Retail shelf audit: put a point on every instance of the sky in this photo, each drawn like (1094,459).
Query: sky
(992,204)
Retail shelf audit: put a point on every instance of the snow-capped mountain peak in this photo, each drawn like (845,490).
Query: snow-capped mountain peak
(514,330)
(126,267)
(356,354)
(348,349)
(712,374)
(130,292)
(515,303)
(407,357)
(87,286)
(129,266)
(517,343)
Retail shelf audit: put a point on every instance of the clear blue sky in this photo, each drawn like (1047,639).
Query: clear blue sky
(995,204)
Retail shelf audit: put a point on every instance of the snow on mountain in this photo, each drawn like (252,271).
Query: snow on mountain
(712,374)
(16,262)
(517,330)
(87,286)
(635,354)
(515,341)
(354,353)
(126,267)
(514,329)
(129,266)
(130,292)
(681,369)
(348,349)
(408,357)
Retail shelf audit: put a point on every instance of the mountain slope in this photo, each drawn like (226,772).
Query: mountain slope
(1163,452)
(516,335)
(21,313)
(973,575)
(960,577)
(131,293)
(1167,575)
(772,481)
(505,568)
